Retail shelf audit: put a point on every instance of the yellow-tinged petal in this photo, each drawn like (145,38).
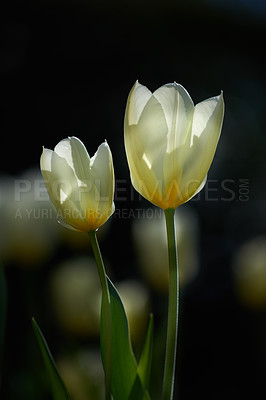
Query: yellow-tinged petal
(142,175)
(207,113)
(102,171)
(81,159)
(59,177)
(63,149)
(102,175)
(199,153)
(146,144)
(178,110)
(75,183)
(46,159)
(170,143)
(137,99)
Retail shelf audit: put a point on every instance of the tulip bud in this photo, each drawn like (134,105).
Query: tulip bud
(80,187)
(170,143)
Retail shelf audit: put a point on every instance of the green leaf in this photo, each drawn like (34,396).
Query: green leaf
(58,387)
(137,391)
(144,367)
(124,376)
(3,307)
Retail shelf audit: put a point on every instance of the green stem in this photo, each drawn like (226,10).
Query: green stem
(106,311)
(171,343)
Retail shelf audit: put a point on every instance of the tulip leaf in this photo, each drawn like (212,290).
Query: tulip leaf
(125,381)
(58,388)
(3,307)
(137,391)
(144,367)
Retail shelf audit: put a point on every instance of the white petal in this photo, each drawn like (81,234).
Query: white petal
(70,212)
(76,155)
(102,171)
(102,158)
(63,223)
(62,196)
(207,124)
(192,193)
(137,99)
(150,136)
(113,208)
(205,113)
(59,177)
(178,109)
(143,167)
(95,198)
(63,149)
(81,159)
(46,160)
(71,179)
(146,145)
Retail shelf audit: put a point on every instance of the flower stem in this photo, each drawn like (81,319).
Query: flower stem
(106,311)
(171,343)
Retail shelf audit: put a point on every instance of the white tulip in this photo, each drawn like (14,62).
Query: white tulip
(170,143)
(80,187)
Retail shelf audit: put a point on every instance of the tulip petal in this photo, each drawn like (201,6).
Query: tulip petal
(63,223)
(77,157)
(80,188)
(199,150)
(199,188)
(170,143)
(102,175)
(137,99)
(59,177)
(151,135)
(207,113)
(81,159)
(63,149)
(62,186)
(178,109)
(145,147)
(102,170)
(87,191)
(142,175)
(46,160)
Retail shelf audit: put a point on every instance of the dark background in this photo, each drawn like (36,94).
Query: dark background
(66,69)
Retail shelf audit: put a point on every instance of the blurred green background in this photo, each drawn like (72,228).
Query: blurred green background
(66,69)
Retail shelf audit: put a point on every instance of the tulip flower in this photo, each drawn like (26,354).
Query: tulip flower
(80,187)
(170,143)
